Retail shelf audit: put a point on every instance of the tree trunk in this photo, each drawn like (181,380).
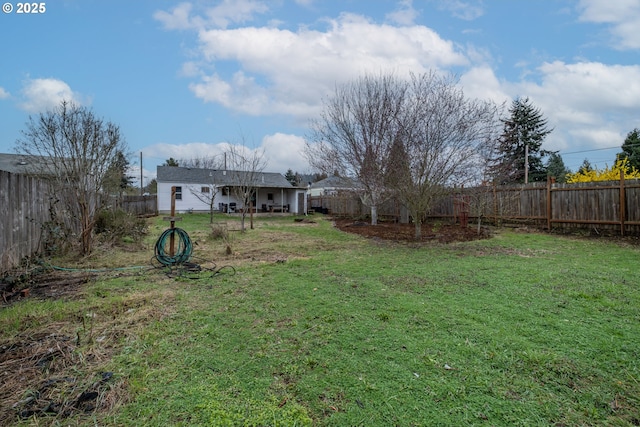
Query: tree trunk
(418,230)
(374,214)
(251,214)
(86,229)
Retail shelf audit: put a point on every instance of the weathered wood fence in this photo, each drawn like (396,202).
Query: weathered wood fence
(25,207)
(612,206)
(138,205)
(22,212)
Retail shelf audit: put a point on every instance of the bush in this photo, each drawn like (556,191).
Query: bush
(117,225)
(218,231)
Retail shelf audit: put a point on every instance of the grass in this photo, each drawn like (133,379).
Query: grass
(322,328)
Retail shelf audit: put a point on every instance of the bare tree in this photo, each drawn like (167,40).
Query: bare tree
(355,133)
(245,167)
(75,149)
(203,162)
(440,135)
(207,192)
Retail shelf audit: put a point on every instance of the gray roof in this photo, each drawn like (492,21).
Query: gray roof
(336,182)
(20,163)
(218,177)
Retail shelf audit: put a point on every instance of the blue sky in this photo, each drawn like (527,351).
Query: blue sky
(182,79)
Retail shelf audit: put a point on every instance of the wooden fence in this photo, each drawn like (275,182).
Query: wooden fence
(22,212)
(612,206)
(138,205)
(25,207)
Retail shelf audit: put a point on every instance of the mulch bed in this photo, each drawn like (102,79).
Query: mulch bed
(442,232)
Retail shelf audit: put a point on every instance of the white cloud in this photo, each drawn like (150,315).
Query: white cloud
(4,94)
(185,151)
(405,14)
(285,152)
(481,83)
(465,10)
(286,72)
(178,18)
(219,16)
(590,104)
(595,86)
(235,11)
(281,152)
(44,94)
(623,16)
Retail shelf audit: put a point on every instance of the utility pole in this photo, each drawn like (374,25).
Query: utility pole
(141,183)
(526,164)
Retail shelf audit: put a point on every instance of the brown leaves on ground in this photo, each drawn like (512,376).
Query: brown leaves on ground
(442,232)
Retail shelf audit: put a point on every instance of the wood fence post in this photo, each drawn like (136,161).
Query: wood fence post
(622,202)
(172,239)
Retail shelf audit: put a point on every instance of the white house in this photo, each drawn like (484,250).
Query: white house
(195,188)
(333,185)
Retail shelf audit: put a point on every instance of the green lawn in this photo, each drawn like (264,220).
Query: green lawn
(318,327)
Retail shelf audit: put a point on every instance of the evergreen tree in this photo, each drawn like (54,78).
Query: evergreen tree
(116,181)
(151,187)
(523,131)
(291,177)
(585,168)
(556,168)
(631,149)
(398,164)
(170,162)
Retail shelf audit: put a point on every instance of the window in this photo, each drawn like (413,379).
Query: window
(225,191)
(205,190)
(270,197)
(178,193)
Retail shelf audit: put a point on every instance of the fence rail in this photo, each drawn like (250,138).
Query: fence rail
(612,206)
(25,207)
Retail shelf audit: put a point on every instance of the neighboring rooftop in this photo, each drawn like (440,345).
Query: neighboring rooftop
(19,163)
(337,182)
(178,174)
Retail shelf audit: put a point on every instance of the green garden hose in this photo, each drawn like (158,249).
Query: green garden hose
(182,252)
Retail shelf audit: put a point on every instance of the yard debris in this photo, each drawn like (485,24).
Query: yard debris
(44,285)
(38,379)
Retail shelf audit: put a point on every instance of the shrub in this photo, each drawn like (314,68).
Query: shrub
(607,174)
(117,225)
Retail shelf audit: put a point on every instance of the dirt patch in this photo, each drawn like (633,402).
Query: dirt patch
(54,285)
(431,232)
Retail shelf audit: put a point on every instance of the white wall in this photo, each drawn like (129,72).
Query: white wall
(190,201)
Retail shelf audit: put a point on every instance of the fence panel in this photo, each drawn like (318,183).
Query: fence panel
(140,205)
(611,206)
(24,208)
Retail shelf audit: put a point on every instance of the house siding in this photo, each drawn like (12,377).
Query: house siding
(189,202)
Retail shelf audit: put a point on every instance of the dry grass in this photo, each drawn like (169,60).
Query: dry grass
(56,370)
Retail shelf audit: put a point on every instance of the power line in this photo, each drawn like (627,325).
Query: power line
(602,149)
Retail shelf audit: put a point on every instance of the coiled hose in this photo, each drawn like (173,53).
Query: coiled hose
(182,252)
